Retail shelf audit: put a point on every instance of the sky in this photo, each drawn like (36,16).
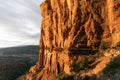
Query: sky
(19,22)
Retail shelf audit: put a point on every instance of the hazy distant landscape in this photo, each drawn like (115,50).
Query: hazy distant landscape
(16,61)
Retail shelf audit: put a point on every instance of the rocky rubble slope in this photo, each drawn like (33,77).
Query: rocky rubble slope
(71,28)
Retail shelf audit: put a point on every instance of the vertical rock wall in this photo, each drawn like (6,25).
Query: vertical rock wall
(73,26)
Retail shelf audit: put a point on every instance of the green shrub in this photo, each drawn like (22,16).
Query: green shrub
(87,77)
(112,70)
(99,54)
(117,44)
(104,45)
(64,76)
(82,65)
(113,67)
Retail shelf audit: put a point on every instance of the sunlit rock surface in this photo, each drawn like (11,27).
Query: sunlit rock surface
(72,27)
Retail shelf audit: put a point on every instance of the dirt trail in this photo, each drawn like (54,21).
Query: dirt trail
(103,61)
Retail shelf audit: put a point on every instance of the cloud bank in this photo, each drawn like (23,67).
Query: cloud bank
(19,22)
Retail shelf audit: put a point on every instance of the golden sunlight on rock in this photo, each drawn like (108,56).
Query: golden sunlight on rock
(72,30)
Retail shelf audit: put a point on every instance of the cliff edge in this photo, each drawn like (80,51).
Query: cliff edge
(71,28)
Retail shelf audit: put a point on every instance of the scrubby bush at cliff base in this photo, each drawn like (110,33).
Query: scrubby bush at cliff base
(104,45)
(99,54)
(82,65)
(117,44)
(86,77)
(64,76)
(112,70)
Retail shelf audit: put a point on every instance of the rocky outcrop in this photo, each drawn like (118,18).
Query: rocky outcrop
(72,27)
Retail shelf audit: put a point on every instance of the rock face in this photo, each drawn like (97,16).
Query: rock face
(73,27)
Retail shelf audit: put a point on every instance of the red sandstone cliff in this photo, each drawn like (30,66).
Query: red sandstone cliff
(73,27)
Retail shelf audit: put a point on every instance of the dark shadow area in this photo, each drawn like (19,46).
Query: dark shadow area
(112,71)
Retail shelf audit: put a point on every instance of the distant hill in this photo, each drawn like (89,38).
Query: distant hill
(20,50)
(16,61)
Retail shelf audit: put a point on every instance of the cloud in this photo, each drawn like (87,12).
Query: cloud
(19,22)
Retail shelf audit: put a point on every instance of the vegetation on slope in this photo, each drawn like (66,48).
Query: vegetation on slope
(106,60)
(16,61)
